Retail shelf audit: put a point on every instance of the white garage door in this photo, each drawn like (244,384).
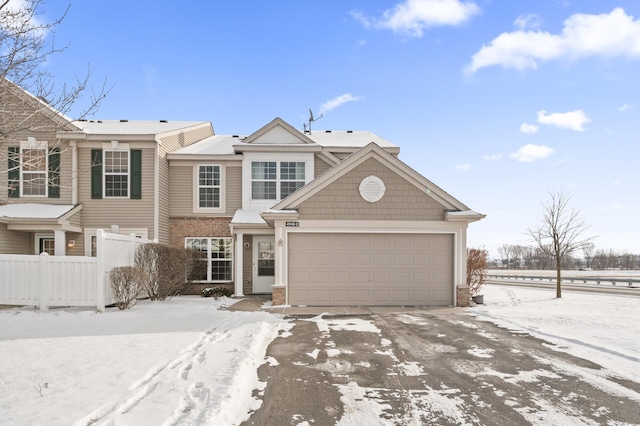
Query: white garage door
(370,269)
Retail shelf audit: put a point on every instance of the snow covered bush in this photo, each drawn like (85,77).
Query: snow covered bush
(476,269)
(216,292)
(126,284)
(166,269)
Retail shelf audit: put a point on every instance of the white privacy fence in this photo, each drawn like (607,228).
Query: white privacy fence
(66,280)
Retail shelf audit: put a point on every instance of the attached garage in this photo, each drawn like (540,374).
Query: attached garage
(370,269)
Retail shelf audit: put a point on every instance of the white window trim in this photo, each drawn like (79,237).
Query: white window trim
(279,179)
(32,143)
(210,259)
(249,157)
(105,174)
(196,190)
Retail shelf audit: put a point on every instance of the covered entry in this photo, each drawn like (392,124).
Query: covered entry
(370,269)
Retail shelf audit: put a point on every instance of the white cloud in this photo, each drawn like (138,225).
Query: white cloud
(583,35)
(493,157)
(463,167)
(528,128)
(613,207)
(530,153)
(36,25)
(413,16)
(336,102)
(530,21)
(574,120)
(625,107)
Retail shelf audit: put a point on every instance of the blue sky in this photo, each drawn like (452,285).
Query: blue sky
(496,101)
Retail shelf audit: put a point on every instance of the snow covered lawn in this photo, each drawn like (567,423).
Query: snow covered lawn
(602,328)
(183,361)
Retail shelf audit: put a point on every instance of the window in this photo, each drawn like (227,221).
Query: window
(218,255)
(291,177)
(33,170)
(263,180)
(116,173)
(268,184)
(209,186)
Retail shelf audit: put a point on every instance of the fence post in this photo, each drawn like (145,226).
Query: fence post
(100,273)
(44,283)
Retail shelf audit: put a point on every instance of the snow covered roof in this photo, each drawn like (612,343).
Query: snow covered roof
(213,145)
(224,144)
(134,127)
(250,217)
(347,139)
(34,211)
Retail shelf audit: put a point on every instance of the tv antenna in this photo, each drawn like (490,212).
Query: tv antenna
(311,120)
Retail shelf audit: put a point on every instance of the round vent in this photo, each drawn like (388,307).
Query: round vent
(372,188)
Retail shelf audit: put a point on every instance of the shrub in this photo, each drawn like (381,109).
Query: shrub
(476,269)
(167,269)
(126,284)
(216,292)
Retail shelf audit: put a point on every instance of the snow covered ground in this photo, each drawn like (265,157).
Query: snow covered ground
(603,328)
(183,361)
(187,361)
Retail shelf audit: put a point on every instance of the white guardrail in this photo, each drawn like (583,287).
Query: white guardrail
(629,282)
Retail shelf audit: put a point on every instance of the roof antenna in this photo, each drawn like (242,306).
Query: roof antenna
(311,119)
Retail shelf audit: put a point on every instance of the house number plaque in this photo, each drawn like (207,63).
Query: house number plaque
(296,224)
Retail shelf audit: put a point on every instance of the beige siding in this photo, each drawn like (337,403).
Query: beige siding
(247,266)
(320,167)
(78,248)
(181,189)
(14,242)
(182,139)
(341,200)
(127,213)
(76,219)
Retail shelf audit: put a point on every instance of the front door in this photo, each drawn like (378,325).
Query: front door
(47,245)
(264,264)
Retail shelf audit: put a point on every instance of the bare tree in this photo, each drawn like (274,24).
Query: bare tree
(588,250)
(560,232)
(26,45)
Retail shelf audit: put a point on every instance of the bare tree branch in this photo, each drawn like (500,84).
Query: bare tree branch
(560,232)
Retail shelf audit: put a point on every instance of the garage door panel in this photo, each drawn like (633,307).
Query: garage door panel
(370,269)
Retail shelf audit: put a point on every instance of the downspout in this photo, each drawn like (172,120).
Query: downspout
(74,172)
(156,194)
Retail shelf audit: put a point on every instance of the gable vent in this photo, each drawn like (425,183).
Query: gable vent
(372,189)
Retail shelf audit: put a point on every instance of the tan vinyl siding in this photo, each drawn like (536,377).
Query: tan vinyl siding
(78,248)
(341,200)
(320,166)
(76,219)
(185,138)
(127,213)
(14,242)
(181,189)
(247,266)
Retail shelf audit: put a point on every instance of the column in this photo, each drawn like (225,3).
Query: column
(238,261)
(60,243)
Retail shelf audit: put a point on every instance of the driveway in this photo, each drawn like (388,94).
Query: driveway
(438,366)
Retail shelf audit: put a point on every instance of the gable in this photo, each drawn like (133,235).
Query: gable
(277,136)
(341,199)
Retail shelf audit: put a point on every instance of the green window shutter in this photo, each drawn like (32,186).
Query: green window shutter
(54,173)
(14,172)
(136,174)
(96,173)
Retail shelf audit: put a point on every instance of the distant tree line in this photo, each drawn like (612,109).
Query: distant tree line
(516,256)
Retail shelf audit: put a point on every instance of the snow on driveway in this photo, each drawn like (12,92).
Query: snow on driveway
(183,361)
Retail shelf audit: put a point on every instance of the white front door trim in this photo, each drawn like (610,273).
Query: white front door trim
(263,249)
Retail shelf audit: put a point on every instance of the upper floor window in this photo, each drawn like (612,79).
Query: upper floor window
(209,178)
(33,170)
(275,180)
(116,173)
